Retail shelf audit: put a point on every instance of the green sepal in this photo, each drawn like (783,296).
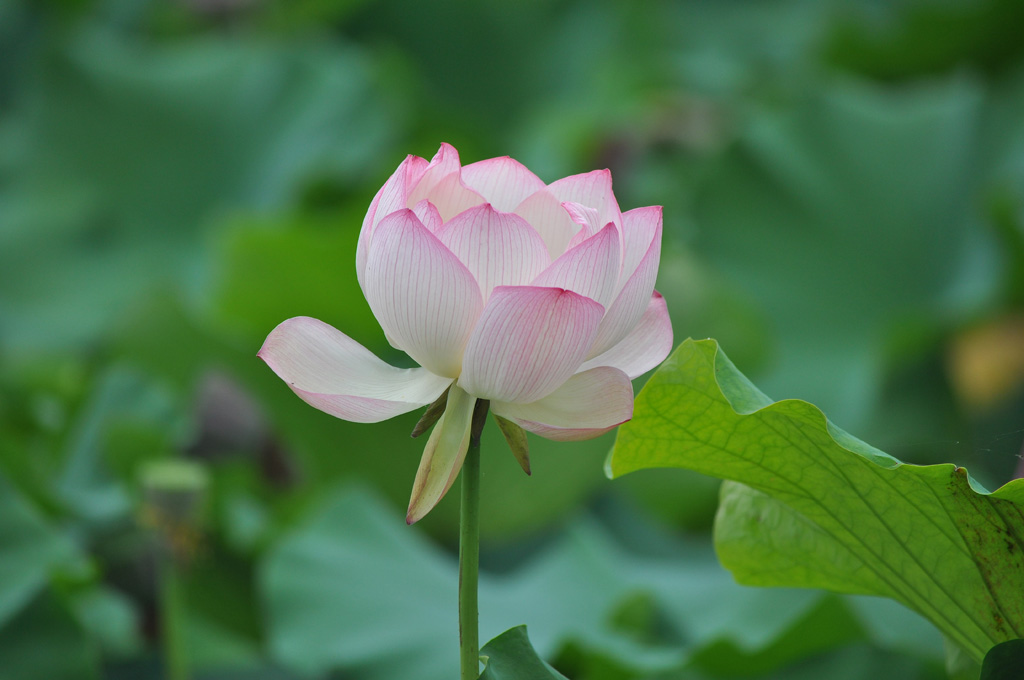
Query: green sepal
(431,415)
(516,438)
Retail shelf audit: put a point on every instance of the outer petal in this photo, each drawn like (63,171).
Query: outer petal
(391,197)
(632,301)
(503,182)
(640,227)
(443,454)
(590,269)
(442,185)
(424,298)
(645,347)
(587,405)
(334,373)
(528,342)
(499,248)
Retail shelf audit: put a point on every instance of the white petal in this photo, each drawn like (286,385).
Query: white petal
(443,455)
(427,213)
(587,218)
(500,249)
(645,347)
(640,228)
(503,182)
(528,342)
(442,185)
(546,215)
(590,269)
(592,189)
(631,302)
(587,405)
(334,373)
(391,197)
(425,299)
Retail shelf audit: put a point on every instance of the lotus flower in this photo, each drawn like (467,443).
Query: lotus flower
(539,298)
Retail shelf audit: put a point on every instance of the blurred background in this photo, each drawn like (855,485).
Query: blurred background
(843,185)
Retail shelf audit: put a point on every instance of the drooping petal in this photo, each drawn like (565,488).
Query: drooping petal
(443,455)
(391,197)
(640,228)
(499,248)
(590,269)
(442,185)
(334,373)
(425,299)
(546,215)
(632,300)
(503,182)
(528,341)
(645,347)
(587,405)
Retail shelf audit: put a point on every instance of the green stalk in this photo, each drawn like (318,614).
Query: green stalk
(469,550)
(172,620)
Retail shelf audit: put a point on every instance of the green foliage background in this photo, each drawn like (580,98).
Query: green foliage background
(843,184)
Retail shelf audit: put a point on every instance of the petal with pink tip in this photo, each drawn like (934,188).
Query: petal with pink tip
(546,215)
(528,341)
(391,197)
(428,215)
(645,347)
(503,182)
(443,455)
(592,189)
(587,218)
(586,406)
(499,248)
(442,185)
(640,227)
(590,269)
(334,373)
(425,299)
(632,301)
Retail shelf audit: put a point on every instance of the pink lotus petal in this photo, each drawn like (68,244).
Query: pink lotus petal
(443,455)
(391,197)
(334,373)
(587,405)
(503,182)
(632,301)
(499,248)
(645,347)
(592,189)
(528,341)
(442,185)
(444,163)
(587,218)
(426,301)
(640,227)
(546,215)
(428,215)
(590,269)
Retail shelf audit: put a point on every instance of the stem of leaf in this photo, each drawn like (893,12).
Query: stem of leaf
(469,550)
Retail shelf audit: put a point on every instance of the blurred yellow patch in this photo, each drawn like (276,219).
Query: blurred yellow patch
(986,364)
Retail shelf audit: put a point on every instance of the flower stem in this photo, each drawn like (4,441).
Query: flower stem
(469,550)
(172,616)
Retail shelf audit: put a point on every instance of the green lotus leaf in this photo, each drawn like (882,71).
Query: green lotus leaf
(823,509)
